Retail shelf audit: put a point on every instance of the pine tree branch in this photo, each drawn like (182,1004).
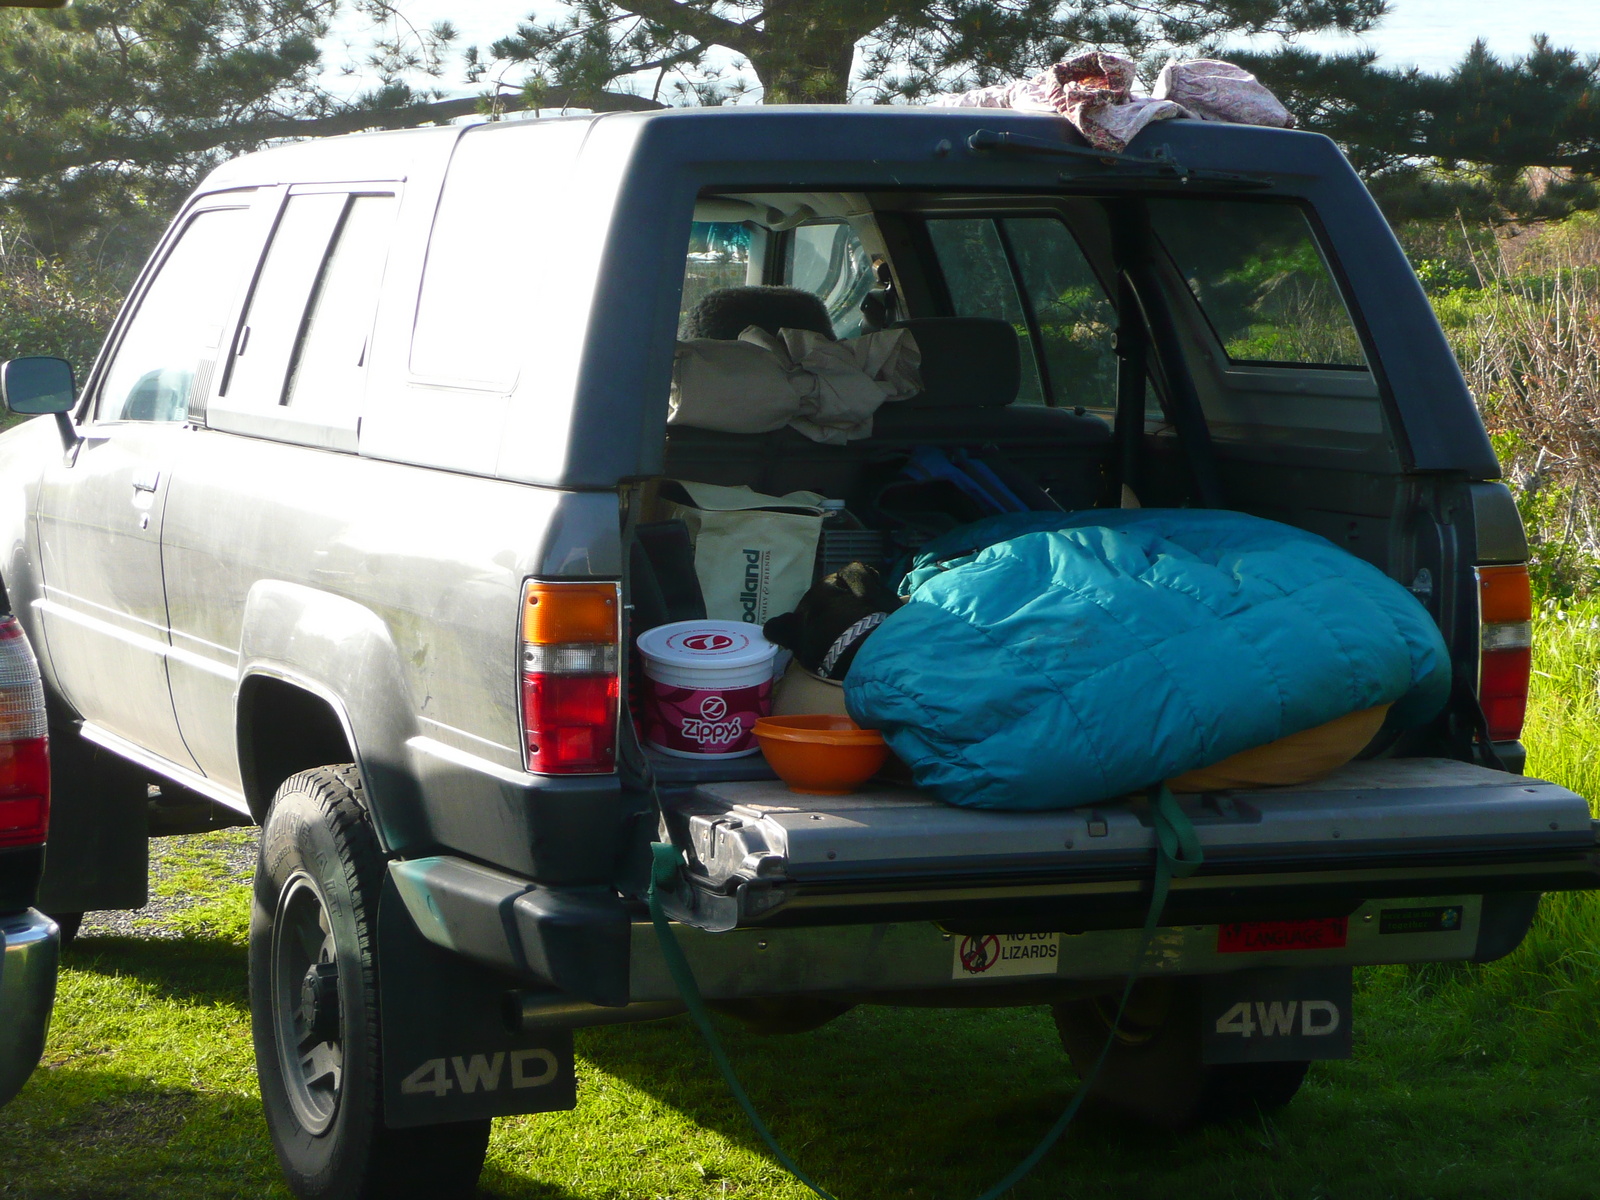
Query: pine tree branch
(271,129)
(703,26)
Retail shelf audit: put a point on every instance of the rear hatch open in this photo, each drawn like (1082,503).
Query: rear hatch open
(763,855)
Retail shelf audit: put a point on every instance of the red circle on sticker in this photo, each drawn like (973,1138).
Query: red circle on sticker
(980,953)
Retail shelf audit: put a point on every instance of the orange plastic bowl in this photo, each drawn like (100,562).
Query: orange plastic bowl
(820,754)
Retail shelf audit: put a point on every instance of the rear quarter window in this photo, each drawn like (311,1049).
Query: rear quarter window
(1258,273)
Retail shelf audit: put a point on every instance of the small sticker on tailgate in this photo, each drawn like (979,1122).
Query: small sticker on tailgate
(1444,918)
(1003,955)
(1260,937)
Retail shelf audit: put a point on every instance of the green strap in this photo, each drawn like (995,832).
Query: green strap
(1178,855)
(666,860)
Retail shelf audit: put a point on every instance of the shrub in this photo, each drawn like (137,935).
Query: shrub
(48,308)
(1527,334)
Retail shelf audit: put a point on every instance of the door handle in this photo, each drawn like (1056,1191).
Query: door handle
(146,480)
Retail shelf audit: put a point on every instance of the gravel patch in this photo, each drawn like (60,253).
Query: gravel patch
(227,856)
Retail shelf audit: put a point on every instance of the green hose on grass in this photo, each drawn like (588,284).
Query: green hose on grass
(1178,855)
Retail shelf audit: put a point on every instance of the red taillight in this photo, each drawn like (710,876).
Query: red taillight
(1505,613)
(24,750)
(570,685)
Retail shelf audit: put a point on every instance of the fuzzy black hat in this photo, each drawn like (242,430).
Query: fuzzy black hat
(725,313)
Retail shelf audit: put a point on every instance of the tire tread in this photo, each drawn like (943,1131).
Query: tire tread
(438,1162)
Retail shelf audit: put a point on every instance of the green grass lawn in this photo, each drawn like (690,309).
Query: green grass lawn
(1466,1082)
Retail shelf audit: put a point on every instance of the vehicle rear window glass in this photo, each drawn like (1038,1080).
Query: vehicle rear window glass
(1259,276)
(498,253)
(179,321)
(828,259)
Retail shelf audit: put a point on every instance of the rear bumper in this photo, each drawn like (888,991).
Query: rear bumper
(873,896)
(27,994)
(921,963)
(590,964)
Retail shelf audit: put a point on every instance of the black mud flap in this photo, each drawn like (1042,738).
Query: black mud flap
(1276,1014)
(448,1052)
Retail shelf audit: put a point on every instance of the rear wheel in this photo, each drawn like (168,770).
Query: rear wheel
(1153,1072)
(314,1008)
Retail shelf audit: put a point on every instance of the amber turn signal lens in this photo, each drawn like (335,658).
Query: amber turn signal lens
(1504,595)
(557,613)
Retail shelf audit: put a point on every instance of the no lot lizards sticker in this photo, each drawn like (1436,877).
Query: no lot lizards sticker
(1002,955)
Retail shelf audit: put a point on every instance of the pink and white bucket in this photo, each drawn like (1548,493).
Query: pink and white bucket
(705,684)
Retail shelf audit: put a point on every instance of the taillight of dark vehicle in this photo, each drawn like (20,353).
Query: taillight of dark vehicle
(24,749)
(1505,640)
(570,682)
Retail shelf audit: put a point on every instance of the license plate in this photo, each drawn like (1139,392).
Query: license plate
(1262,937)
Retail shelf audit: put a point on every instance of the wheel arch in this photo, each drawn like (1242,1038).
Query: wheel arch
(320,675)
(286,725)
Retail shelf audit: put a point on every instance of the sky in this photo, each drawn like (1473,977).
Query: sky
(1431,34)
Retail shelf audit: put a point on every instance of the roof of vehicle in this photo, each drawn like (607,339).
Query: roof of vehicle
(639,173)
(870,133)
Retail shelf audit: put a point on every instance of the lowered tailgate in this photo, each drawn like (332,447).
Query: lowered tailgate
(762,855)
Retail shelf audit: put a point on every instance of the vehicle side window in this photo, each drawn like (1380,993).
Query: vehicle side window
(1074,317)
(325,374)
(277,304)
(1259,276)
(179,322)
(977,274)
(828,259)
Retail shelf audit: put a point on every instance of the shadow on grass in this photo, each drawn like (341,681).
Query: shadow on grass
(193,970)
(942,1104)
(880,1102)
(85,1132)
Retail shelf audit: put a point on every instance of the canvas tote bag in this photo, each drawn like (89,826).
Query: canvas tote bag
(754,554)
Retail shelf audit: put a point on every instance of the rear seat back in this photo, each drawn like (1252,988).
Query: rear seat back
(971,370)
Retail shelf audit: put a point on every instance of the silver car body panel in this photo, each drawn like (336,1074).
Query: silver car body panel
(358,580)
(26,450)
(103,606)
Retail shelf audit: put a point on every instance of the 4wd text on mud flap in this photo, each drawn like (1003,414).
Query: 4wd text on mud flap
(1318,1018)
(529,1068)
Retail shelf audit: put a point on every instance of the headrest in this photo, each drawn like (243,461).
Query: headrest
(967,362)
(727,312)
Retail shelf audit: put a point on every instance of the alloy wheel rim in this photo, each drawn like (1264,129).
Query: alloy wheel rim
(310,1041)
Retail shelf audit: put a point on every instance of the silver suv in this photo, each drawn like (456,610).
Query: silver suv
(376,399)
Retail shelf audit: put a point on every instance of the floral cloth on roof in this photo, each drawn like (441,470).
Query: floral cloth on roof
(1094,91)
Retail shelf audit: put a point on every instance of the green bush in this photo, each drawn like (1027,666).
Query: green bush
(1522,312)
(48,308)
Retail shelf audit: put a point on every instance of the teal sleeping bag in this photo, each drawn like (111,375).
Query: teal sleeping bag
(1046,660)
